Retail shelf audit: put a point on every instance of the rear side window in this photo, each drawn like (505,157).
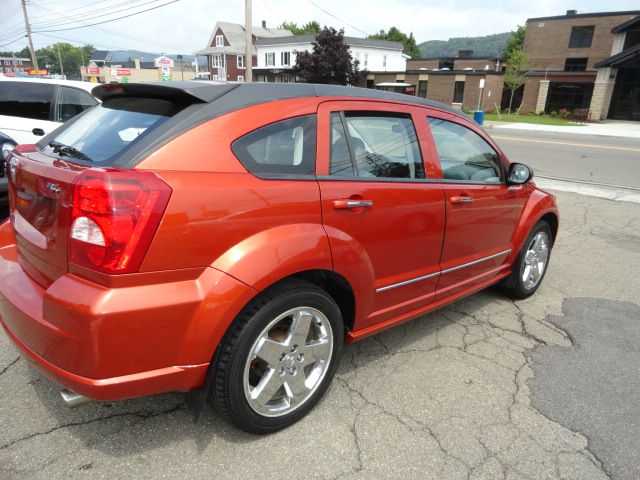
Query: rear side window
(464,155)
(71,102)
(287,147)
(111,127)
(26,99)
(382,145)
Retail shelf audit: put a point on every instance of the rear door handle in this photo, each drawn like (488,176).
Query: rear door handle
(341,204)
(457,199)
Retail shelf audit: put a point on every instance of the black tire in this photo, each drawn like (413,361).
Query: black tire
(227,394)
(514,284)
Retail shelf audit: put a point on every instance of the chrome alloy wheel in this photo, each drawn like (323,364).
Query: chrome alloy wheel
(535,260)
(288,361)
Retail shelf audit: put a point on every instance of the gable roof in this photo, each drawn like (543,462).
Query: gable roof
(351,41)
(234,33)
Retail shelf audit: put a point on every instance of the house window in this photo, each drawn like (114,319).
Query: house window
(384,61)
(216,60)
(285,58)
(370,83)
(219,41)
(581,36)
(575,64)
(422,88)
(240,61)
(241,78)
(270,59)
(458,92)
(366,60)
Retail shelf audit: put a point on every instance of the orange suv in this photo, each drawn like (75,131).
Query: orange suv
(226,240)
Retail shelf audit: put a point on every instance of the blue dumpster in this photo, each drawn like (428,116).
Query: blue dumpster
(478,116)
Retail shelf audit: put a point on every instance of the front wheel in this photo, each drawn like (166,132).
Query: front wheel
(278,358)
(531,265)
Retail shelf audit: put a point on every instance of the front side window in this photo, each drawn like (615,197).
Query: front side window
(377,145)
(71,102)
(464,155)
(26,99)
(287,147)
(581,37)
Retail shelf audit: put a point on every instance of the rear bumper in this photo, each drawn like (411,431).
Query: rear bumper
(114,343)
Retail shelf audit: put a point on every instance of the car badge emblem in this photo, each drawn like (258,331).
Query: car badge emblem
(53,187)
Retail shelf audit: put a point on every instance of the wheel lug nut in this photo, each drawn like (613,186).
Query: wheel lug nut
(282,371)
(300,357)
(292,370)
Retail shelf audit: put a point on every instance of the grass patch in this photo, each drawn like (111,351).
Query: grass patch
(535,119)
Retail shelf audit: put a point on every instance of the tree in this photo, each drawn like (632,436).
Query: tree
(515,42)
(395,35)
(72,58)
(515,74)
(307,28)
(330,61)
(24,53)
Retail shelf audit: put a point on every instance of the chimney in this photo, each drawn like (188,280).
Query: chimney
(571,12)
(137,63)
(264,24)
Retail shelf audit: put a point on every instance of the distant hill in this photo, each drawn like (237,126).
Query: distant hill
(487,46)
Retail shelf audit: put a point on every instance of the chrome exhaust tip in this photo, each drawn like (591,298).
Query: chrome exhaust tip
(73,399)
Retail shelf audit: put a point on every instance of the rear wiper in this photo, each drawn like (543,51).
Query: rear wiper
(62,149)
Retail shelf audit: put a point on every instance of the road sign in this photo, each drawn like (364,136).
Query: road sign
(166,74)
(41,71)
(163,62)
(482,83)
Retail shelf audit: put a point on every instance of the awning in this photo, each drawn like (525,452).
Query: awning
(619,57)
(394,84)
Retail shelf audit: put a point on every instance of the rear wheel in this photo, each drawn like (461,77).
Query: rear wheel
(278,358)
(531,265)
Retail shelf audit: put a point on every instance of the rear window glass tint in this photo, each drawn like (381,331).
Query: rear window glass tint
(107,130)
(287,147)
(26,99)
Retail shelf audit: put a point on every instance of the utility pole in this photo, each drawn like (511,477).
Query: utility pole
(34,59)
(248,57)
(60,59)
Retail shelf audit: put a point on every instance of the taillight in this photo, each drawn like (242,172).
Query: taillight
(115,215)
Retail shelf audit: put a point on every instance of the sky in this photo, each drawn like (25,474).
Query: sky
(185,26)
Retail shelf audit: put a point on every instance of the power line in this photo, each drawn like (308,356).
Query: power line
(88,15)
(336,17)
(107,21)
(113,33)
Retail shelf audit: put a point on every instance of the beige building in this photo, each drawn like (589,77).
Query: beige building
(587,61)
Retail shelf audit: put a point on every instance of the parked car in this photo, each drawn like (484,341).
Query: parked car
(226,240)
(31,108)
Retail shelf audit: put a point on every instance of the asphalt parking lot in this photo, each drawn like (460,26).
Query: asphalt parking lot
(475,390)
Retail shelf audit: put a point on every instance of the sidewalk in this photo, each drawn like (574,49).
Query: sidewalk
(609,128)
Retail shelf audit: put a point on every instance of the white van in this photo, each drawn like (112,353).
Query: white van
(33,107)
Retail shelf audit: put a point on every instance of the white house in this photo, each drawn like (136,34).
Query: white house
(277,55)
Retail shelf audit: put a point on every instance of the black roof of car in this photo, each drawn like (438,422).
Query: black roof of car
(226,97)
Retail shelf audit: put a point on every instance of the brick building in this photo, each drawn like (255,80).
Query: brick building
(15,66)
(225,51)
(585,61)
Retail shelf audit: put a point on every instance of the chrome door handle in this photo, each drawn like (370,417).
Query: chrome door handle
(457,199)
(340,204)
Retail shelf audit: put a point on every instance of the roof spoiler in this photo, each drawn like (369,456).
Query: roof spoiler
(192,92)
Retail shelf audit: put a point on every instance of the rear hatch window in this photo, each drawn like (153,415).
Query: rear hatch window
(106,131)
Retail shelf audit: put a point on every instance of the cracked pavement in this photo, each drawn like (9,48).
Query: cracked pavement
(445,396)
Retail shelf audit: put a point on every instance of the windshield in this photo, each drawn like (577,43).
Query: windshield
(108,129)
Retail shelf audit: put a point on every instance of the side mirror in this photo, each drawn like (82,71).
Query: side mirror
(519,174)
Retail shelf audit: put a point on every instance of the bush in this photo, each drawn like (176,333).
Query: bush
(532,112)
(553,114)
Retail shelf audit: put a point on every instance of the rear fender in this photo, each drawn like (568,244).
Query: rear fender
(271,255)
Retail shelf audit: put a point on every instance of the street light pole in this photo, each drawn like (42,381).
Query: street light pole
(34,59)
(60,59)
(248,40)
